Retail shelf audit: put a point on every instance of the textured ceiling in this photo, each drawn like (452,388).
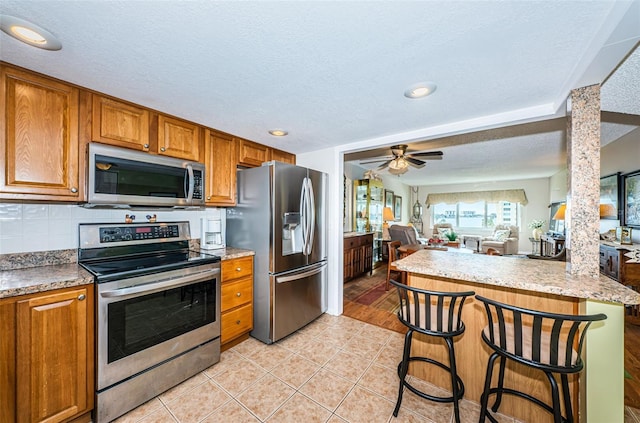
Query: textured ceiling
(334,73)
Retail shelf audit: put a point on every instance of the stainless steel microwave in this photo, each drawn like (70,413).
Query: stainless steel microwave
(118,177)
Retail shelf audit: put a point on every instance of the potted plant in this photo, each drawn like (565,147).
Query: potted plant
(452,237)
(536,226)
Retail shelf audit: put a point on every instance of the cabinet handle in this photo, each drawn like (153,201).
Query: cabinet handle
(74,190)
(81,297)
(238,294)
(238,269)
(163,149)
(237,322)
(146,146)
(209,198)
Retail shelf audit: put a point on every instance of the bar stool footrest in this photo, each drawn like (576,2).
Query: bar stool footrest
(431,397)
(509,391)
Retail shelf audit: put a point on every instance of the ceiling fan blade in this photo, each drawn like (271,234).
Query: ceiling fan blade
(377,161)
(414,162)
(434,154)
(384,165)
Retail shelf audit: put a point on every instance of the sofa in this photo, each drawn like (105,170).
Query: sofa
(504,240)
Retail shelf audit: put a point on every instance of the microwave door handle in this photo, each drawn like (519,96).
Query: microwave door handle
(191,181)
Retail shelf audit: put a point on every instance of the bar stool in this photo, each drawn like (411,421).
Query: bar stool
(435,314)
(540,340)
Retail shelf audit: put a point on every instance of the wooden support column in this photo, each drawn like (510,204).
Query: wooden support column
(582,219)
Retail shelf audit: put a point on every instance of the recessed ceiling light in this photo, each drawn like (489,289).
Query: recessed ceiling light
(278,132)
(419,90)
(29,33)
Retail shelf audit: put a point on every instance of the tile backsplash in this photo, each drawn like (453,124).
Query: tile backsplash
(29,227)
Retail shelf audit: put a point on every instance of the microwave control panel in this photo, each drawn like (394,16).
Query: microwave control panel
(136,233)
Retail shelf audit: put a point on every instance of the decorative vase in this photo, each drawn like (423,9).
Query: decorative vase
(536,233)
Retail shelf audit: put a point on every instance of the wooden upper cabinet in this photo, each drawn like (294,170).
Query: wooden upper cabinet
(54,360)
(39,156)
(178,138)
(120,124)
(220,154)
(251,154)
(282,156)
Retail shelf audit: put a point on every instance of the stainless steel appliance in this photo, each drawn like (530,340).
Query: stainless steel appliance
(124,178)
(157,310)
(281,215)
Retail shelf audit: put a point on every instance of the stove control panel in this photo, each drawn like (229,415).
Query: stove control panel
(137,233)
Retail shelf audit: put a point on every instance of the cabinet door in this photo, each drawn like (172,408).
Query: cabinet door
(251,154)
(220,154)
(54,356)
(39,155)
(178,138)
(120,124)
(281,156)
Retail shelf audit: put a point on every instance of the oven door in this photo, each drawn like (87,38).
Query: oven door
(143,321)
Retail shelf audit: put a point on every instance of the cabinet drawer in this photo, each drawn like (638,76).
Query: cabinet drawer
(236,293)
(236,322)
(237,268)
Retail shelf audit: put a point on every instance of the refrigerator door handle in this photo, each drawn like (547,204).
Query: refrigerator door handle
(314,271)
(303,215)
(312,216)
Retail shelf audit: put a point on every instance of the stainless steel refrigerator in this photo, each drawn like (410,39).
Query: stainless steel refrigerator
(281,215)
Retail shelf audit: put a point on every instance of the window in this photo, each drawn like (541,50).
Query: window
(477,215)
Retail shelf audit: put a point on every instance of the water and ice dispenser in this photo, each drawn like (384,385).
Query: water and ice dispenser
(291,233)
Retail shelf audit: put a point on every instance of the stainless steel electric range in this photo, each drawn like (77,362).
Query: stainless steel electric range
(157,310)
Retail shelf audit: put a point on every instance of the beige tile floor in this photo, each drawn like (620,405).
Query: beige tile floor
(334,370)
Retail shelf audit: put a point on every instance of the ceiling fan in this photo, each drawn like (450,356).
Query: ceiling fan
(399,162)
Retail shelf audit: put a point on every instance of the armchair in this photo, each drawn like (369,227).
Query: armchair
(504,240)
(439,230)
(404,234)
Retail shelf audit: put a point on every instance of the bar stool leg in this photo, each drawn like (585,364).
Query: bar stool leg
(557,416)
(484,399)
(454,380)
(500,388)
(403,368)
(567,398)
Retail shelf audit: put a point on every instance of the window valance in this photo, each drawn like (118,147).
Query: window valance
(510,195)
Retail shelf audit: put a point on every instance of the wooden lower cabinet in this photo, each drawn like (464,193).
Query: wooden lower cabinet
(47,356)
(236,309)
(613,263)
(358,256)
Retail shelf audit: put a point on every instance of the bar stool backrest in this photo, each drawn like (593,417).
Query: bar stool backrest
(431,312)
(543,340)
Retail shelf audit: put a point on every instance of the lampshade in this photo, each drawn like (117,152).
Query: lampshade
(607,210)
(560,213)
(387,214)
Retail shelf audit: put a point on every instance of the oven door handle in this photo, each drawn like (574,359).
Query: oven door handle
(161,285)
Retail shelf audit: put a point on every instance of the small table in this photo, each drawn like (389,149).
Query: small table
(550,246)
(535,247)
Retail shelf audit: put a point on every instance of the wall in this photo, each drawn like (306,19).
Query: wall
(27,227)
(558,187)
(622,156)
(537,191)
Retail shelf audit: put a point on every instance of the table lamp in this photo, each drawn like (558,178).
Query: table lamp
(387,215)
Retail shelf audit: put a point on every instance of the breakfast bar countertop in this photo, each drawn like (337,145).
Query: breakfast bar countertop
(549,277)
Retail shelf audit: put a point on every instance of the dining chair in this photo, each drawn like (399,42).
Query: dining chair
(393,256)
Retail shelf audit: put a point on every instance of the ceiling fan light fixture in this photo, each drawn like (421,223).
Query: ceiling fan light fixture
(419,90)
(399,164)
(396,171)
(29,33)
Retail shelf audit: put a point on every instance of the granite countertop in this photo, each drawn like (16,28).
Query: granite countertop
(548,277)
(58,270)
